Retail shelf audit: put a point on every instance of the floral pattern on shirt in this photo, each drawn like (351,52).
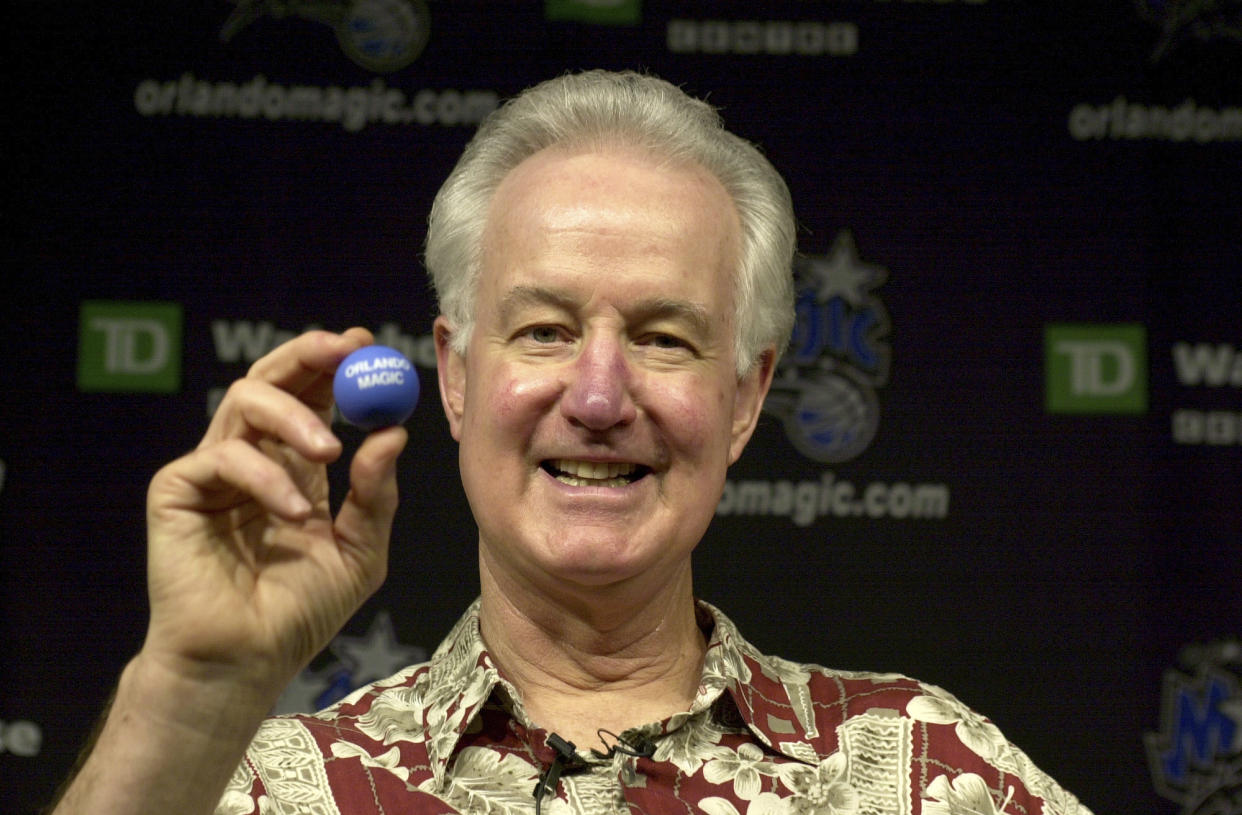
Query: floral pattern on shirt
(821,790)
(974,731)
(964,795)
(763,736)
(745,767)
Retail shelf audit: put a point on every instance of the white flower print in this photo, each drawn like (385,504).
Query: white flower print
(236,799)
(390,761)
(766,803)
(235,802)
(745,768)
(721,665)
(396,714)
(1057,801)
(986,741)
(484,781)
(821,790)
(686,746)
(965,795)
(974,731)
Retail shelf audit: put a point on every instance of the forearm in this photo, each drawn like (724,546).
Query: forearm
(168,744)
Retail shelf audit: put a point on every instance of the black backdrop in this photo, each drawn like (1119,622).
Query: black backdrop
(1004,455)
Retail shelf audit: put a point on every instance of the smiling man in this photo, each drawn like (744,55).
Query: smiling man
(598,406)
(614,275)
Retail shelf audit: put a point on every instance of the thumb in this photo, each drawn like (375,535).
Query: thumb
(364,524)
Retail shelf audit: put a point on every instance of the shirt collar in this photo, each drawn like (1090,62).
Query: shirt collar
(460,678)
(770,693)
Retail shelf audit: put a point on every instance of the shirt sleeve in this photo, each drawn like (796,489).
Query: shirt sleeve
(968,766)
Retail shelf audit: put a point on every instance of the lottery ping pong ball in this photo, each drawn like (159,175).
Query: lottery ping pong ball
(375,386)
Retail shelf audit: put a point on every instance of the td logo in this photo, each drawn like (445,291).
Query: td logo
(1095,368)
(600,12)
(125,346)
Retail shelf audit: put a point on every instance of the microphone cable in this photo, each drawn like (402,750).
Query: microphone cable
(643,747)
(566,759)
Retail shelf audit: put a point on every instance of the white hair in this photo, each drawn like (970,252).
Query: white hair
(597,109)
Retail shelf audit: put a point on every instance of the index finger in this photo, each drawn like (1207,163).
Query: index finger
(304,366)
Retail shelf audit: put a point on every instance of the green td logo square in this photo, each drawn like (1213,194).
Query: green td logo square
(602,12)
(1095,368)
(129,347)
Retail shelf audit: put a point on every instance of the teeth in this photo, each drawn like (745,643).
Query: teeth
(592,473)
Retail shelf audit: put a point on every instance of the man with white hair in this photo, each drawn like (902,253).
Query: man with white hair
(614,276)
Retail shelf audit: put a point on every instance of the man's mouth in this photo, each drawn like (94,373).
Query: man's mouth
(594,473)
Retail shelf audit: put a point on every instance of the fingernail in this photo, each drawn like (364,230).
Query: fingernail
(297,504)
(322,438)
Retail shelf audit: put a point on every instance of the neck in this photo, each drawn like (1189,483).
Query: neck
(609,658)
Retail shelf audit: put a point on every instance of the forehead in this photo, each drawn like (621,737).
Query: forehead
(616,208)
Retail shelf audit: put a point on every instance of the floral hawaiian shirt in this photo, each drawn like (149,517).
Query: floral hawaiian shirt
(763,736)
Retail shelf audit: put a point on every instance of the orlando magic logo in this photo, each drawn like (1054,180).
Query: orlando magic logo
(1196,758)
(825,388)
(1182,20)
(380,35)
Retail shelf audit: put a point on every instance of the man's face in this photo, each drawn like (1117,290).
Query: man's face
(597,406)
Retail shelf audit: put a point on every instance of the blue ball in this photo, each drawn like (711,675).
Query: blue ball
(375,387)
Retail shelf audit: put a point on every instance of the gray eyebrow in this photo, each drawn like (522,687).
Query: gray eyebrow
(650,308)
(520,296)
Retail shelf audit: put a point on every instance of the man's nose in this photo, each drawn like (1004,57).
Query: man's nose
(599,393)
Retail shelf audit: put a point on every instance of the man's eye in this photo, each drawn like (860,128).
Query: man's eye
(544,334)
(665,341)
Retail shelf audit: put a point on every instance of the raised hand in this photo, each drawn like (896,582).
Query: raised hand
(249,575)
(249,572)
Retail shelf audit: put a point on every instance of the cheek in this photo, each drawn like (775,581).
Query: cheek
(698,415)
(511,396)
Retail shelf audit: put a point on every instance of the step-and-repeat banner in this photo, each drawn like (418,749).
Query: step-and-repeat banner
(1003,453)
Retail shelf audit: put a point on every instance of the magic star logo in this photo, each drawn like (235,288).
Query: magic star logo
(824,390)
(1196,757)
(379,35)
(352,663)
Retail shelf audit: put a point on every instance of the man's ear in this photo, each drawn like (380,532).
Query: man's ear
(752,389)
(451,372)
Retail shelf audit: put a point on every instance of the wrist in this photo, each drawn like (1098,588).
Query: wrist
(169,743)
(209,702)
